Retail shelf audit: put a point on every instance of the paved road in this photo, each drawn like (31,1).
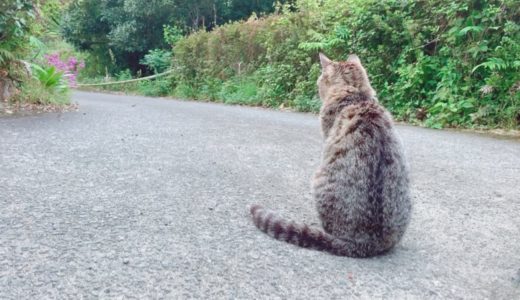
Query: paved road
(147,198)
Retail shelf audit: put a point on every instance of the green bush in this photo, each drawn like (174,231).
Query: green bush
(24,25)
(50,78)
(124,75)
(240,91)
(33,91)
(436,62)
(157,60)
(157,87)
(16,19)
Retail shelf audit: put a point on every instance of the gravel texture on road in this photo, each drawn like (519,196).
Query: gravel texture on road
(135,197)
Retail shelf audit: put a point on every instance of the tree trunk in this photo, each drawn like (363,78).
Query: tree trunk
(196,21)
(214,14)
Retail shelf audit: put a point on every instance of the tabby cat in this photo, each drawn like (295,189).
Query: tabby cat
(361,187)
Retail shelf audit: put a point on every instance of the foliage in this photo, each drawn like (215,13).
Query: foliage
(437,62)
(124,75)
(15,20)
(90,24)
(23,24)
(49,77)
(69,68)
(172,34)
(26,29)
(156,87)
(33,91)
(239,91)
(157,60)
(118,34)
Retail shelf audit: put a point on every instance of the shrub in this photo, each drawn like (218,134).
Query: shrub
(157,60)
(69,68)
(50,78)
(240,90)
(436,62)
(156,87)
(33,91)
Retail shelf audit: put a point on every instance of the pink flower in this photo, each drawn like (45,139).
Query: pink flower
(70,68)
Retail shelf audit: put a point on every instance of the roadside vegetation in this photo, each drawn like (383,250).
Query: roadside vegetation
(437,63)
(37,68)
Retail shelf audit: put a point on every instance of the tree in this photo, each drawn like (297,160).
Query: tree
(239,9)
(118,33)
(117,30)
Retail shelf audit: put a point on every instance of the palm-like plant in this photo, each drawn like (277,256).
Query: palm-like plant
(49,77)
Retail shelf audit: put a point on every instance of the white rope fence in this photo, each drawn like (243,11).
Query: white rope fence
(126,81)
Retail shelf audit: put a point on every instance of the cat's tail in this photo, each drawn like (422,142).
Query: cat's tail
(308,237)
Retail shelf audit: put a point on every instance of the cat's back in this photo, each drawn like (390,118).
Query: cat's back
(363,150)
(364,125)
(364,166)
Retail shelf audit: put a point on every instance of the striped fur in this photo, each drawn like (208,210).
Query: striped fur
(306,236)
(361,187)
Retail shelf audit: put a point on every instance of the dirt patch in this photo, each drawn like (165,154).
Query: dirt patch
(497,133)
(26,109)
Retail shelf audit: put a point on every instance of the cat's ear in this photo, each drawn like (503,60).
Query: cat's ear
(324,61)
(354,58)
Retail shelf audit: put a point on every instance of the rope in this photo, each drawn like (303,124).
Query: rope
(126,81)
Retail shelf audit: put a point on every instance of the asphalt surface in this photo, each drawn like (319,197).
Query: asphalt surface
(132,197)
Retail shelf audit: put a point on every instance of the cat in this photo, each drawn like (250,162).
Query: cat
(361,188)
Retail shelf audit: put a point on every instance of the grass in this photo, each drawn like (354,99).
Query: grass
(236,91)
(33,92)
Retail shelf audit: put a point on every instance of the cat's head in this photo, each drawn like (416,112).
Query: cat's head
(341,78)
